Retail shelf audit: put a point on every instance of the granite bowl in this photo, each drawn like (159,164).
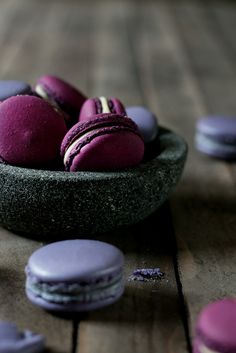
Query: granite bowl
(40,202)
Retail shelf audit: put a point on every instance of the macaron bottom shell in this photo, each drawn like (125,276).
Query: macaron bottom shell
(110,151)
(75,306)
(214,148)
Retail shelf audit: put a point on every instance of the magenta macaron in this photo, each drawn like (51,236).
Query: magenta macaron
(101,105)
(107,142)
(61,94)
(31,132)
(216,328)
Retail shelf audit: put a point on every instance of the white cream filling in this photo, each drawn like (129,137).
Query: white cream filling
(76,142)
(40,91)
(204,349)
(88,295)
(105,106)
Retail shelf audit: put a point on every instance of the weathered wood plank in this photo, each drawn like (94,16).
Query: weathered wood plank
(189,75)
(23,55)
(147,318)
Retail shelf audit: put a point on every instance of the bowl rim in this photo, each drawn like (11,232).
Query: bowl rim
(169,142)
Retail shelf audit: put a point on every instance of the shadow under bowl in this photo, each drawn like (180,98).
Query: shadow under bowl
(42,202)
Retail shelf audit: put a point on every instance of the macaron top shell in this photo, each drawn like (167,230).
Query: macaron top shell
(145,120)
(220,128)
(31,132)
(101,105)
(13,88)
(74,261)
(216,327)
(67,96)
(100,121)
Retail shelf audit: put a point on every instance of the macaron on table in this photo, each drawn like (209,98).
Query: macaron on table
(105,165)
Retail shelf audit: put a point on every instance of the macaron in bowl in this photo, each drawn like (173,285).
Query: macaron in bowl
(105,143)
(101,105)
(89,202)
(145,120)
(9,88)
(61,94)
(31,132)
(75,275)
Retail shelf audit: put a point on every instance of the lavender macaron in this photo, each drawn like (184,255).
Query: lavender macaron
(216,328)
(145,120)
(10,88)
(14,341)
(75,275)
(216,137)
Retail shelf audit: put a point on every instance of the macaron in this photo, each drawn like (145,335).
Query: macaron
(145,120)
(75,275)
(62,94)
(9,88)
(14,341)
(215,330)
(101,105)
(108,142)
(31,132)
(216,136)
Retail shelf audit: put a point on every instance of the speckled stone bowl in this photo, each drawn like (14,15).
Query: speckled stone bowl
(45,203)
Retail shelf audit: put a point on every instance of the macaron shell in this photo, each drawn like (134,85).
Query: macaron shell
(109,151)
(207,145)
(219,128)
(89,109)
(13,88)
(67,96)
(216,326)
(75,260)
(145,120)
(31,132)
(73,307)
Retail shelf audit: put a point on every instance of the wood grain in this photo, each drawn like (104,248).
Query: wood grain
(191,76)
(178,58)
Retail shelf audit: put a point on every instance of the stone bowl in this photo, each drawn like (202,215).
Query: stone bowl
(42,202)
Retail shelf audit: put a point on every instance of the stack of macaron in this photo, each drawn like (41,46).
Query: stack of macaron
(54,126)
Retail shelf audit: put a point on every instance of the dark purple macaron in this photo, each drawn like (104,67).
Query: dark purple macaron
(216,136)
(101,105)
(75,275)
(62,94)
(9,88)
(216,328)
(108,142)
(31,132)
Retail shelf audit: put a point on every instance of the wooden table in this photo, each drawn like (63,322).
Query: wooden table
(178,58)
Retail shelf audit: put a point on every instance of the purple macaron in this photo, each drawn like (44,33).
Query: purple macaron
(14,341)
(75,275)
(216,328)
(216,136)
(145,120)
(101,105)
(31,132)
(9,88)
(107,142)
(62,94)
